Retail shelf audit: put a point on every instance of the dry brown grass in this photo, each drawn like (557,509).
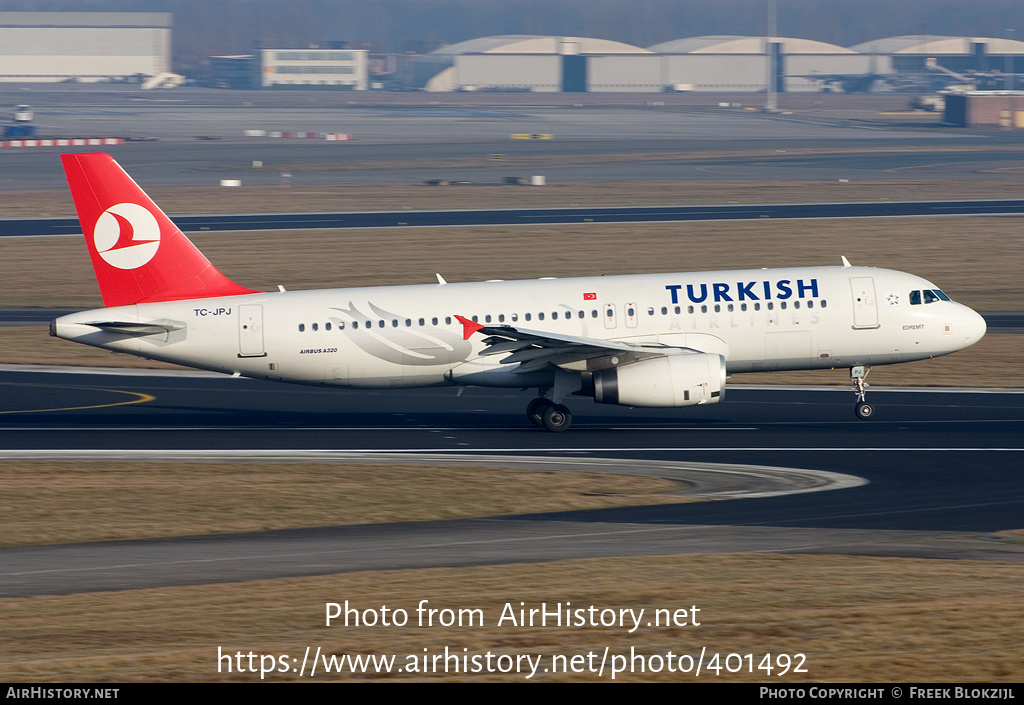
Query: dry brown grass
(855,619)
(977,260)
(397,197)
(59,502)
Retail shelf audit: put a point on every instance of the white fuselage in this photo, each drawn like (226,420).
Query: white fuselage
(407,336)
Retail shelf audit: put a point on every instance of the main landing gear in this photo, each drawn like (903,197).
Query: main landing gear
(863,410)
(547,414)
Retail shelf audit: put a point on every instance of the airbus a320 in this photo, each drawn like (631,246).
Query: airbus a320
(650,340)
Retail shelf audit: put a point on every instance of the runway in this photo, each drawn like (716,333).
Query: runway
(26,227)
(932,475)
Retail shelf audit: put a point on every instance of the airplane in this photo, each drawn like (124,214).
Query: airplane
(647,340)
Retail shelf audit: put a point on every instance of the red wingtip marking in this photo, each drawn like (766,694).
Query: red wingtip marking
(468,327)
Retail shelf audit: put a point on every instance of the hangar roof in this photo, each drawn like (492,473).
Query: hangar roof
(931,44)
(729,44)
(538,44)
(85,19)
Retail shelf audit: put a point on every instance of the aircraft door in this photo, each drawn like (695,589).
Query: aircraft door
(609,316)
(250,331)
(865,308)
(632,315)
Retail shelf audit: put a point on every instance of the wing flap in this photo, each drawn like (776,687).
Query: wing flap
(533,350)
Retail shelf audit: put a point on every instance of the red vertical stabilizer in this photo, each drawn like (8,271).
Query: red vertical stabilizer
(138,254)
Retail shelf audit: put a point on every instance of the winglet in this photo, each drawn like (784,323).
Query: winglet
(468,327)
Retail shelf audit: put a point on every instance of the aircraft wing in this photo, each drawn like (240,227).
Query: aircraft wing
(533,349)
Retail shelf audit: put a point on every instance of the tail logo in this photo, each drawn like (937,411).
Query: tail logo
(126,236)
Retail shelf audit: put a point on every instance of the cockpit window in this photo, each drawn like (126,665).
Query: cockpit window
(928,296)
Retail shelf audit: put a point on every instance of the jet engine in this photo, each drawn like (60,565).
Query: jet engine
(673,380)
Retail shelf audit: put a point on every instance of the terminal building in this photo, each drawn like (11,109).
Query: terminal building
(325,69)
(39,47)
(344,69)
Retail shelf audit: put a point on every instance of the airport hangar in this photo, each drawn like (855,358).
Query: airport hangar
(48,47)
(530,63)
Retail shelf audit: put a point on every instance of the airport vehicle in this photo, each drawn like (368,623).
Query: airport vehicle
(23,113)
(651,340)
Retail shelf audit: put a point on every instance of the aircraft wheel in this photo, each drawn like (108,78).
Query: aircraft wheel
(557,418)
(535,410)
(864,411)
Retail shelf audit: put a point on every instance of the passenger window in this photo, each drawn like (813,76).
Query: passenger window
(810,304)
(355,324)
(447,320)
(730,308)
(394,323)
(421,322)
(341,325)
(501,318)
(526,316)
(302,327)
(771,305)
(314,326)
(581,313)
(678,309)
(540,316)
(515,317)
(433,321)
(554,315)
(408,322)
(743,307)
(718,308)
(757,306)
(704,308)
(689,309)
(487,318)
(380,323)
(824,303)
(327,326)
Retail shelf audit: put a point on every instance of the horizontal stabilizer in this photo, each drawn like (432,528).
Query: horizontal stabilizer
(137,328)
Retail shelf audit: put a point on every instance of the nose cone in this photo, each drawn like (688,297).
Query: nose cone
(973,327)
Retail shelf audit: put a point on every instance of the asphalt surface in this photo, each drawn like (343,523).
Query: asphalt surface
(311,221)
(941,470)
(195,138)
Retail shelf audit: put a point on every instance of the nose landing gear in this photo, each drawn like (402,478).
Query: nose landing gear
(862,409)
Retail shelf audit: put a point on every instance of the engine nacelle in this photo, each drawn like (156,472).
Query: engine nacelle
(673,380)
